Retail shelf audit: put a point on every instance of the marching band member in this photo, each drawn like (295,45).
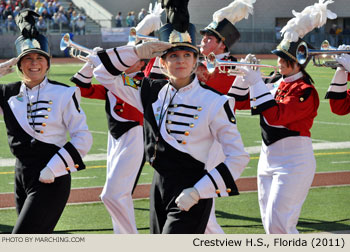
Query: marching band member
(125,150)
(218,37)
(287,164)
(180,125)
(338,94)
(38,114)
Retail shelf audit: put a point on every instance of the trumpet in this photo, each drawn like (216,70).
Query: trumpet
(213,63)
(76,49)
(303,53)
(135,37)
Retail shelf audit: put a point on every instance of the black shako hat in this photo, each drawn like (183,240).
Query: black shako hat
(182,40)
(225,31)
(30,41)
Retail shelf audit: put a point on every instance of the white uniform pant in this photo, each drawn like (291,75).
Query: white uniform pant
(216,156)
(285,172)
(124,157)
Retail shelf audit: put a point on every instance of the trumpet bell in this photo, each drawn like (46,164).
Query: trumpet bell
(134,37)
(213,63)
(76,49)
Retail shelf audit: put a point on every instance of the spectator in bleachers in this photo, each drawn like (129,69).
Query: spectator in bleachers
(55,21)
(41,25)
(118,20)
(50,9)
(141,15)
(56,4)
(41,9)
(10,4)
(37,4)
(47,17)
(70,10)
(73,20)
(10,24)
(16,11)
(80,25)
(7,12)
(62,19)
(130,19)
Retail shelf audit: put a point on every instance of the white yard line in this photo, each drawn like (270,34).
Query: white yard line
(332,123)
(251,150)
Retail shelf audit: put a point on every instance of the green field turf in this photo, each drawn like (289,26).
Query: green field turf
(237,215)
(325,209)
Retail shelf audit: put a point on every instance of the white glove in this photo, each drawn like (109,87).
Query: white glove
(96,50)
(94,60)
(344,60)
(151,49)
(87,69)
(187,199)
(46,176)
(249,58)
(240,83)
(251,77)
(7,66)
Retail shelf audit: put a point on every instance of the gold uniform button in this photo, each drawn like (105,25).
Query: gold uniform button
(175,105)
(191,125)
(49,109)
(172,113)
(46,117)
(50,102)
(254,99)
(184,142)
(67,169)
(195,117)
(233,119)
(228,190)
(254,107)
(187,133)
(43,124)
(76,166)
(121,110)
(30,104)
(169,122)
(199,108)
(29,117)
(41,132)
(301,99)
(217,191)
(281,100)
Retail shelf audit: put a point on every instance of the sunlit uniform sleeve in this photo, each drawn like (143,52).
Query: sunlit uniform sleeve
(113,62)
(220,181)
(338,94)
(69,157)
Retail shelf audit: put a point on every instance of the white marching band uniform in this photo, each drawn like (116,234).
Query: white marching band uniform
(187,127)
(125,151)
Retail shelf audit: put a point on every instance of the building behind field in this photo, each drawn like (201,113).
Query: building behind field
(259,33)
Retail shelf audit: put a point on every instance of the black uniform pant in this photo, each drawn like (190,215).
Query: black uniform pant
(39,206)
(166,217)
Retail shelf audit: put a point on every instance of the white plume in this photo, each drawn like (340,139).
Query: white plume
(152,21)
(235,11)
(311,17)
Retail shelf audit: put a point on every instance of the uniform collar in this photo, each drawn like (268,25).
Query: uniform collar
(293,77)
(41,85)
(186,88)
